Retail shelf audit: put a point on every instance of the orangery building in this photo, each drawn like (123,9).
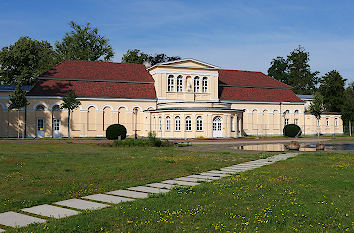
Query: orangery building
(179,99)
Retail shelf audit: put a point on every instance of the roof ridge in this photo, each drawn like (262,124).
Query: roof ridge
(243,71)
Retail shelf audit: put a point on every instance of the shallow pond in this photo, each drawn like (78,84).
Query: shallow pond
(278,147)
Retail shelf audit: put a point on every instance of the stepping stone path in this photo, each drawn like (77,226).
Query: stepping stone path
(50,211)
(81,204)
(93,202)
(13,219)
(107,198)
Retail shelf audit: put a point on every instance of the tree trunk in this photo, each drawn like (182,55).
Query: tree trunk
(68,123)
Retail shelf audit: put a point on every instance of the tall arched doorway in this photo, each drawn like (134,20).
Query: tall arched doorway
(217,127)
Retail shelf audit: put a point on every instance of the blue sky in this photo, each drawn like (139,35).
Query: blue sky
(244,35)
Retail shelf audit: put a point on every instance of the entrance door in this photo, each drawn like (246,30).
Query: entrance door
(217,127)
(56,128)
(40,127)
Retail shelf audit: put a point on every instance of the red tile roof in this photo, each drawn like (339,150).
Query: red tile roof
(99,70)
(249,78)
(257,94)
(94,89)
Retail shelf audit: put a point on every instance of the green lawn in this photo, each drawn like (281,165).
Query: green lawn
(38,173)
(308,193)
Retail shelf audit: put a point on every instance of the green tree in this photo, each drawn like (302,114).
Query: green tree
(279,69)
(332,89)
(135,56)
(83,43)
(316,107)
(23,61)
(70,102)
(18,101)
(348,106)
(295,71)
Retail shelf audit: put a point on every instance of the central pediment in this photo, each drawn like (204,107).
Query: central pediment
(186,63)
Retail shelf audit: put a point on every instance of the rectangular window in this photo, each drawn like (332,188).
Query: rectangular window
(160,124)
(318,122)
(56,124)
(296,121)
(335,122)
(286,122)
(205,84)
(168,124)
(232,124)
(179,84)
(327,121)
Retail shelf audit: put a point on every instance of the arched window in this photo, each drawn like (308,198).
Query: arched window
(188,124)
(335,122)
(177,123)
(40,108)
(205,84)
(296,112)
(154,123)
(196,84)
(199,123)
(168,123)
(160,124)
(170,83)
(179,83)
(56,108)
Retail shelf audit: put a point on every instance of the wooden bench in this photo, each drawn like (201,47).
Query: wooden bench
(183,143)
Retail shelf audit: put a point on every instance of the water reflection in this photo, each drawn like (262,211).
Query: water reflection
(303,147)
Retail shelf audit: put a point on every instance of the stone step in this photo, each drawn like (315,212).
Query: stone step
(206,178)
(213,174)
(107,198)
(128,193)
(218,172)
(161,185)
(148,189)
(81,204)
(178,182)
(13,219)
(190,179)
(51,211)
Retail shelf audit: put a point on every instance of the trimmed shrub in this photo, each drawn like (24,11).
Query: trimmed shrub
(113,131)
(292,130)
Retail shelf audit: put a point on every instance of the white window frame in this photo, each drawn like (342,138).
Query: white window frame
(296,121)
(318,122)
(199,123)
(177,123)
(335,122)
(286,121)
(170,83)
(232,124)
(327,121)
(180,83)
(196,84)
(205,84)
(188,123)
(168,123)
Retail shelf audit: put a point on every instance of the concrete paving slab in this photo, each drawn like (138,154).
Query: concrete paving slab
(128,193)
(218,172)
(206,178)
(51,211)
(81,204)
(213,174)
(183,183)
(161,185)
(148,189)
(107,198)
(190,179)
(13,219)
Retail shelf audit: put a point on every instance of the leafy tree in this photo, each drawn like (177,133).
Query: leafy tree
(135,56)
(83,43)
(316,107)
(70,102)
(295,71)
(160,58)
(332,90)
(18,101)
(348,106)
(278,69)
(23,61)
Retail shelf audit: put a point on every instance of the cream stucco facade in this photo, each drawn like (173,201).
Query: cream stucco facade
(183,108)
